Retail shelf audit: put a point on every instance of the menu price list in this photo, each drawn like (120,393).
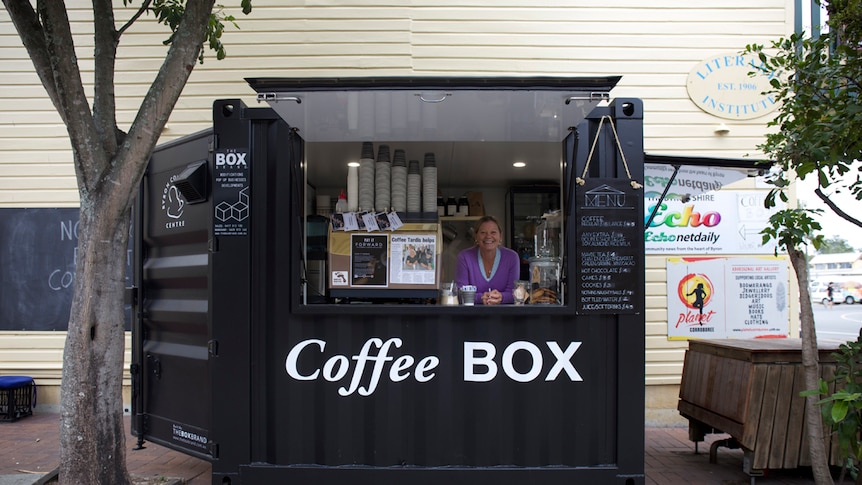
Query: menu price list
(606,229)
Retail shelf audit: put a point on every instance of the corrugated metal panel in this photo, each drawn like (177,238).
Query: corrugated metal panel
(172,355)
(495,423)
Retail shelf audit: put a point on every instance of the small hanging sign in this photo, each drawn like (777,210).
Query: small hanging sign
(609,263)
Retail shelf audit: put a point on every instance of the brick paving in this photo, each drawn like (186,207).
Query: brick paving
(31,445)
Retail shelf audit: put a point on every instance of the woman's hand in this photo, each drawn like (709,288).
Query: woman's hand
(492,297)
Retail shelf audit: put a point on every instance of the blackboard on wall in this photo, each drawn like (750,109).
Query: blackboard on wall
(38,248)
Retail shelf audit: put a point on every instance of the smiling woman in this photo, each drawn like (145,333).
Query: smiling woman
(488,265)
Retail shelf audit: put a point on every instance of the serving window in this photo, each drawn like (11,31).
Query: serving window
(506,148)
(407,256)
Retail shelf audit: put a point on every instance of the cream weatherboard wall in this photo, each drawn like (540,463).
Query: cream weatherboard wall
(652,45)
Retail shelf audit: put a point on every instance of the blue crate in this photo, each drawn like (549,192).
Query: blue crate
(17,397)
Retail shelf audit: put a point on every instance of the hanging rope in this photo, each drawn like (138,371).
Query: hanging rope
(582,179)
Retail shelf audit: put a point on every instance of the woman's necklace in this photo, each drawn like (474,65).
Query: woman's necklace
(488,267)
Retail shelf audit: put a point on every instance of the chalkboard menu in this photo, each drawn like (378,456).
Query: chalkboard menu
(609,264)
(38,248)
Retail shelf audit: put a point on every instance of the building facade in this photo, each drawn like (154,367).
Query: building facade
(654,46)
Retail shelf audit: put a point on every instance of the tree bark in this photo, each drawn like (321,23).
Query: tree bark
(811,368)
(91,418)
(108,166)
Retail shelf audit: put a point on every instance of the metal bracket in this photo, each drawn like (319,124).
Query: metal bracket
(275,97)
(661,198)
(131,295)
(212,448)
(593,96)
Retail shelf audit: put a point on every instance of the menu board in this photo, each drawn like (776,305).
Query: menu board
(608,261)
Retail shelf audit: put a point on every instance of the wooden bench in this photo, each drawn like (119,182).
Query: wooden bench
(750,389)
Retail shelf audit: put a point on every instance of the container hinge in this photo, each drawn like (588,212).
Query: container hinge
(270,97)
(212,447)
(156,367)
(212,347)
(212,245)
(131,296)
(593,96)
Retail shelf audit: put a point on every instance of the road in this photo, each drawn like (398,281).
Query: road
(838,322)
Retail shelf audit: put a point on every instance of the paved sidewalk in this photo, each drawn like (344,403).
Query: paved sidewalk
(29,448)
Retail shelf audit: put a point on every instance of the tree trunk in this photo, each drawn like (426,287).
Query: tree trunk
(811,368)
(91,399)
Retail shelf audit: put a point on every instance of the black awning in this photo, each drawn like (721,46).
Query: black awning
(738,163)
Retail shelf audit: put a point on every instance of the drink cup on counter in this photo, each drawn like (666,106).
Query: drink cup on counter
(448,296)
(467,294)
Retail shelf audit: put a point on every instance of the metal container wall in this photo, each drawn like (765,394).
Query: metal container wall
(400,393)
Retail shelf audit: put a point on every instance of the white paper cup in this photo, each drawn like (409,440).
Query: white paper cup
(468,297)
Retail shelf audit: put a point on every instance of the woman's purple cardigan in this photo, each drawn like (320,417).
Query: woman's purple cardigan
(469,272)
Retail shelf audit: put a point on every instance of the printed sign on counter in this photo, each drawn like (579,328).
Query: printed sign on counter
(608,259)
(368,259)
(413,258)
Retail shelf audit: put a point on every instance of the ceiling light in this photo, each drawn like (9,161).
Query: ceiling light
(519,164)
(352,164)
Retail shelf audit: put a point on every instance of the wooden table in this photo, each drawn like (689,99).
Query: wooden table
(750,389)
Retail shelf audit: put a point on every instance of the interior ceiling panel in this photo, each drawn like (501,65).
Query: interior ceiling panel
(476,128)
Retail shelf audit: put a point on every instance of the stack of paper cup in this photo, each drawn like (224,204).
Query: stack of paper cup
(429,184)
(352,189)
(382,174)
(399,181)
(366,177)
(414,187)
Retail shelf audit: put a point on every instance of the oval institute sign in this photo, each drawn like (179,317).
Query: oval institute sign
(722,87)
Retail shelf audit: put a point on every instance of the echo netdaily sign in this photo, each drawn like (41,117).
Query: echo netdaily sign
(722,86)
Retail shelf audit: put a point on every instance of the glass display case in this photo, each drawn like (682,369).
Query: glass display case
(526,205)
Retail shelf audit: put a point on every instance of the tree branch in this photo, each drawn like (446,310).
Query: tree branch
(835,208)
(163,93)
(72,99)
(106,40)
(33,36)
(144,7)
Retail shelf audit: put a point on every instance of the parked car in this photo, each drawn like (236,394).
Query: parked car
(846,292)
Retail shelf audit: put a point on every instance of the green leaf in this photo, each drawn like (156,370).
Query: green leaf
(839,411)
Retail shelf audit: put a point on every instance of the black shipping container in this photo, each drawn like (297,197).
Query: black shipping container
(233,363)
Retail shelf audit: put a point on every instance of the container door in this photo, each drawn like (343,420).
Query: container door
(171,402)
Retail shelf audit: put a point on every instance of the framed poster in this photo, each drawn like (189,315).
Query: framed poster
(369,255)
(727,298)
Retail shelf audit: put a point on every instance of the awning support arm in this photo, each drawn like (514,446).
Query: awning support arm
(661,198)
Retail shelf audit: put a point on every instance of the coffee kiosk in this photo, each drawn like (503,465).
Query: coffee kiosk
(238,359)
